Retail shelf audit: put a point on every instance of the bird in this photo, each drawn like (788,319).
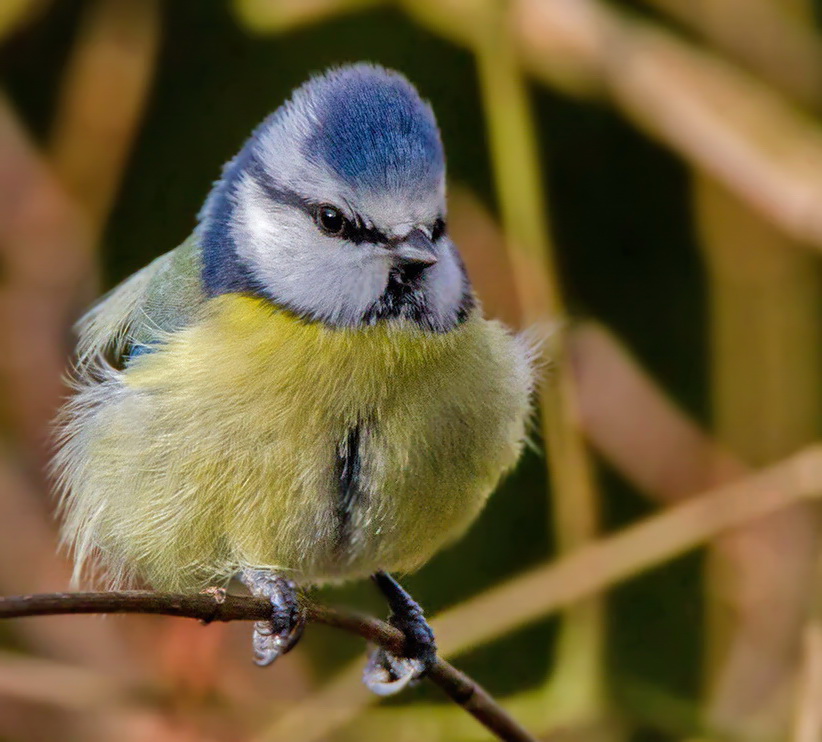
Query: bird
(305,391)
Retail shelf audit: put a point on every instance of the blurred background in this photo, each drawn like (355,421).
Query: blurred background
(640,183)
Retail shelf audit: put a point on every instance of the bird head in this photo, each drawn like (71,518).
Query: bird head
(335,208)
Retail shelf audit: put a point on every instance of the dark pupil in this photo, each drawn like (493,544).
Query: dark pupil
(331,220)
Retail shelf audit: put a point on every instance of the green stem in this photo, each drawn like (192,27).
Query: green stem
(576,685)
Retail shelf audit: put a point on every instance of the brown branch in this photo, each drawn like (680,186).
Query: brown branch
(547,588)
(206,607)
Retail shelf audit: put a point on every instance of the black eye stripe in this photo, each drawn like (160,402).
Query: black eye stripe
(368,234)
(353,231)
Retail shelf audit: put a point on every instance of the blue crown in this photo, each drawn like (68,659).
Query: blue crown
(374,130)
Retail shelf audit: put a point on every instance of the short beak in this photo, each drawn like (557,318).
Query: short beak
(416,250)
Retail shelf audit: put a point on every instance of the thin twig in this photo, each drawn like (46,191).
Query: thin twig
(593,568)
(207,607)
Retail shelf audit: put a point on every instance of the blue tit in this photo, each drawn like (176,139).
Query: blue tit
(305,391)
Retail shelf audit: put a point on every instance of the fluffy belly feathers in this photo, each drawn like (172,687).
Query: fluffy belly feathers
(252,438)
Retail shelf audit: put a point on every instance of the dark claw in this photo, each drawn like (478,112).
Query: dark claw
(283,630)
(386,674)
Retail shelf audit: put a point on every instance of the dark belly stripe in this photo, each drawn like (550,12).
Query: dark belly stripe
(348,467)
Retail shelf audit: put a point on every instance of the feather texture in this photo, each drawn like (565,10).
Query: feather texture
(276,394)
(219,450)
(162,297)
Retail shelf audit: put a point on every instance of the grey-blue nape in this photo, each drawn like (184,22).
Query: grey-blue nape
(374,131)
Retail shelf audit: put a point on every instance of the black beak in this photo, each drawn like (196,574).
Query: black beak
(415,252)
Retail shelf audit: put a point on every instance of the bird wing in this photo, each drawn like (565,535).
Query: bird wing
(162,297)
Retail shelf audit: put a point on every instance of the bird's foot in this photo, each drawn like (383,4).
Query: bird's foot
(279,634)
(386,674)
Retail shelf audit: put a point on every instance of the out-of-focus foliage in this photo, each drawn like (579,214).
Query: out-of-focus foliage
(680,149)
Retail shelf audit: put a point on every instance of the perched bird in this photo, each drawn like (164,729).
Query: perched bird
(304,391)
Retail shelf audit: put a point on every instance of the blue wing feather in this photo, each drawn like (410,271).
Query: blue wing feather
(161,298)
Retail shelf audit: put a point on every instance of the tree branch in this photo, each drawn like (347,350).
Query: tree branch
(219,606)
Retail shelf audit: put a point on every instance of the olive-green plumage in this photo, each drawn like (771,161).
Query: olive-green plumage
(305,389)
(221,448)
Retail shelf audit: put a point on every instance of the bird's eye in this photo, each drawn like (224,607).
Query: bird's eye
(330,220)
(438,230)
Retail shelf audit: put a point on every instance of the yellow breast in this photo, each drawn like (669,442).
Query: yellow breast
(221,449)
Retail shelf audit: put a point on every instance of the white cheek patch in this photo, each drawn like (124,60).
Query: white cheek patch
(301,268)
(445,285)
(328,278)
